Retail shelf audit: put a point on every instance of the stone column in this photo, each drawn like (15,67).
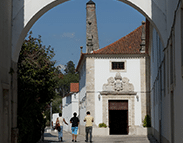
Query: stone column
(143,88)
(145,77)
(90,86)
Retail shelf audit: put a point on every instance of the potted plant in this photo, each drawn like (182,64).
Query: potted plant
(147,124)
(147,121)
(102,125)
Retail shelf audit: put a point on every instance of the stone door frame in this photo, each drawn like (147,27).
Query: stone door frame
(131,108)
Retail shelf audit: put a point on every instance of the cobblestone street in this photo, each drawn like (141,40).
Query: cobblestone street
(52,136)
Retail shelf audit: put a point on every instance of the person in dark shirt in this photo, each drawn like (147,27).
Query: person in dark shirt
(75,121)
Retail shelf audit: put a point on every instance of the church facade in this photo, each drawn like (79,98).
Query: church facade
(114,85)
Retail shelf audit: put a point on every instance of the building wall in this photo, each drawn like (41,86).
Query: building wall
(178,90)
(82,81)
(82,93)
(87,99)
(90,86)
(69,106)
(66,113)
(103,72)
(6,106)
(157,82)
(166,78)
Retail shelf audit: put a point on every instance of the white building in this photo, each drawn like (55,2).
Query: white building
(70,104)
(167,80)
(113,85)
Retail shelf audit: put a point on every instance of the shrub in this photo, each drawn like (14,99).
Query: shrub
(102,125)
(47,123)
(147,121)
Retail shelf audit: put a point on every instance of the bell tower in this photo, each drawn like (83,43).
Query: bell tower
(92,42)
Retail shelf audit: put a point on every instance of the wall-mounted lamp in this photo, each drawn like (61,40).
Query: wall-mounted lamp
(99,96)
(137,98)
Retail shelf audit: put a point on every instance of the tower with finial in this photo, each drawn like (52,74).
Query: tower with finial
(143,38)
(92,42)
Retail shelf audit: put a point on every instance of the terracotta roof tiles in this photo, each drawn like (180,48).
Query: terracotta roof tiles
(74,87)
(129,44)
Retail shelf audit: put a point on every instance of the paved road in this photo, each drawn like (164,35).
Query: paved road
(52,137)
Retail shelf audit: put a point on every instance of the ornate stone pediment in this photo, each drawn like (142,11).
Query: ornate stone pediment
(118,85)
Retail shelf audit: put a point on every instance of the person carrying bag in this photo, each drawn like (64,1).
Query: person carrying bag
(59,126)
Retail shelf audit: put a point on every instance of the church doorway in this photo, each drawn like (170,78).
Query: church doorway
(118,117)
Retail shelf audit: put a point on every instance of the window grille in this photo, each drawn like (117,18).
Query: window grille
(118,65)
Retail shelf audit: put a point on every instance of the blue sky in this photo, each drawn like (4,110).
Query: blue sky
(64,26)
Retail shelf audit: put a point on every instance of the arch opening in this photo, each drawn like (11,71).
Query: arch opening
(43,9)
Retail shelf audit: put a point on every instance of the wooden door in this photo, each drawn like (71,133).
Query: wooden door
(118,117)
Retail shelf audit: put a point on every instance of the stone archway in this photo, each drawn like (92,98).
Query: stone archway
(26,13)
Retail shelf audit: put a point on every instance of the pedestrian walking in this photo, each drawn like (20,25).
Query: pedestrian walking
(88,127)
(59,126)
(75,121)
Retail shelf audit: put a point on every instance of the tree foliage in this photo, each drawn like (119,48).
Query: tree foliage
(70,76)
(57,101)
(37,81)
(70,68)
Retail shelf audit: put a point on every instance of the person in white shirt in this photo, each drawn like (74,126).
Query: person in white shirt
(59,123)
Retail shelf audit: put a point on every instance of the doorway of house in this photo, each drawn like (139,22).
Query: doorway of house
(118,117)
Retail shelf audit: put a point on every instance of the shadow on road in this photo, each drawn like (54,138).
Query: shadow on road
(49,135)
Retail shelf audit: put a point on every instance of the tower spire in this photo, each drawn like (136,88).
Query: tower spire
(143,38)
(92,43)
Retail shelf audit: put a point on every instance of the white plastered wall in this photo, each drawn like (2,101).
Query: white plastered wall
(178,87)
(69,109)
(103,72)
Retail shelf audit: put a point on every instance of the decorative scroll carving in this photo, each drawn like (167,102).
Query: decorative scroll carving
(118,84)
(110,85)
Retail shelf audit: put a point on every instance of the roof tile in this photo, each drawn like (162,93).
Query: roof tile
(129,44)
(74,87)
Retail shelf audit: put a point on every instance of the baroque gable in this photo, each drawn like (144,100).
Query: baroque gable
(118,85)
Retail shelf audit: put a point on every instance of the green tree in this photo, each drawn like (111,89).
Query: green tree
(70,68)
(68,77)
(37,81)
(57,101)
